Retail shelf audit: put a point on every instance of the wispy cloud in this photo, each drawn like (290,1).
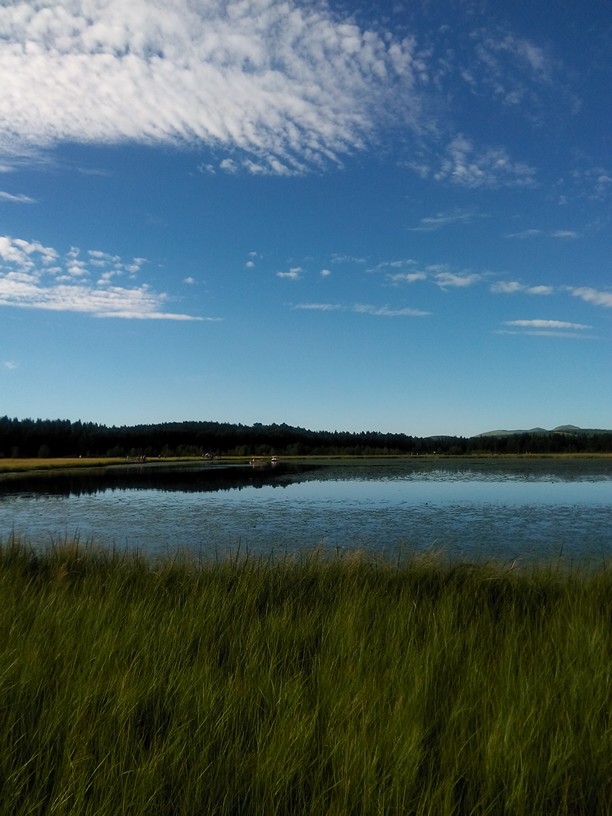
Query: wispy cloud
(18,198)
(510,287)
(320,307)
(584,183)
(490,167)
(538,233)
(564,234)
(515,68)
(433,223)
(406,277)
(363,308)
(546,324)
(439,274)
(386,311)
(400,263)
(595,296)
(282,86)
(547,328)
(34,276)
(9,365)
(338,258)
(452,280)
(294,273)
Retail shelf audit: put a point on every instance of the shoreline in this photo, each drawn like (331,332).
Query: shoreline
(11,466)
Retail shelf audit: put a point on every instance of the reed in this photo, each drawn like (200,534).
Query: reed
(310,685)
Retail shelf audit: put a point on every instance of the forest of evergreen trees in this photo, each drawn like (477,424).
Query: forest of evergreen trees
(57,437)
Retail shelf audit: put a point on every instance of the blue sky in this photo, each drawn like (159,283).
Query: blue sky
(342,215)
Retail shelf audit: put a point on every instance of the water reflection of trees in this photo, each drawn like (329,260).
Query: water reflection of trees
(145,477)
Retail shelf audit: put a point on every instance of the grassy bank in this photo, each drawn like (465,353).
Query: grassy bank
(344,686)
(25,465)
(9,466)
(57,463)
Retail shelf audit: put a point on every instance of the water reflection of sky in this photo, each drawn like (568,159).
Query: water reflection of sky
(478,515)
(448,491)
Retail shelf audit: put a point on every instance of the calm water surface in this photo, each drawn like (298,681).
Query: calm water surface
(489,509)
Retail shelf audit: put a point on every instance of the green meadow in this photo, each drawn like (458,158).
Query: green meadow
(316,685)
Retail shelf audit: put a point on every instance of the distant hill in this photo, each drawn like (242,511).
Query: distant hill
(40,438)
(572,430)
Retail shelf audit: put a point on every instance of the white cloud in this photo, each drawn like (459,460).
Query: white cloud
(250,264)
(34,276)
(528,233)
(564,234)
(207,168)
(510,287)
(547,328)
(439,274)
(451,279)
(319,307)
(386,311)
(295,273)
(538,233)
(546,324)
(591,183)
(494,49)
(517,72)
(507,287)
(338,258)
(407,277)
(16,199)
(230,166)
(19,252)
(443,219)
(540,290)
(9,365)
(363,308)
(325,273)
(288,85)
(401,263)
(490,167)
(590,295)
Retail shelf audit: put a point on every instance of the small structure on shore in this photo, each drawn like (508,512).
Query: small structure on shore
(264,462)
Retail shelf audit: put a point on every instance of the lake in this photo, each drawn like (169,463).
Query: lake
(526,509)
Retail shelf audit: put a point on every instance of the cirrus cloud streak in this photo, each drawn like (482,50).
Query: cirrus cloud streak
(546,324)
(363,308)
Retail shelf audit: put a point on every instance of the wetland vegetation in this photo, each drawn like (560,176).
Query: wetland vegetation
(307,685)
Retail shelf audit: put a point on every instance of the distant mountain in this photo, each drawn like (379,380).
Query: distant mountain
(514,433)
(560,429)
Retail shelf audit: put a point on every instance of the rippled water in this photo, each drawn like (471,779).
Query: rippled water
(508,510)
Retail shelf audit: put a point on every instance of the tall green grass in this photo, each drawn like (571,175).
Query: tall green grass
(309,686)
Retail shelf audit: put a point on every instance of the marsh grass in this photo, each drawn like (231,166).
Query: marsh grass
(343,685)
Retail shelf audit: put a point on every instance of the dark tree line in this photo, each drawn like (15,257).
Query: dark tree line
(58,437)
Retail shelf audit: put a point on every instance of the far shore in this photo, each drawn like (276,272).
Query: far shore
(17,465)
